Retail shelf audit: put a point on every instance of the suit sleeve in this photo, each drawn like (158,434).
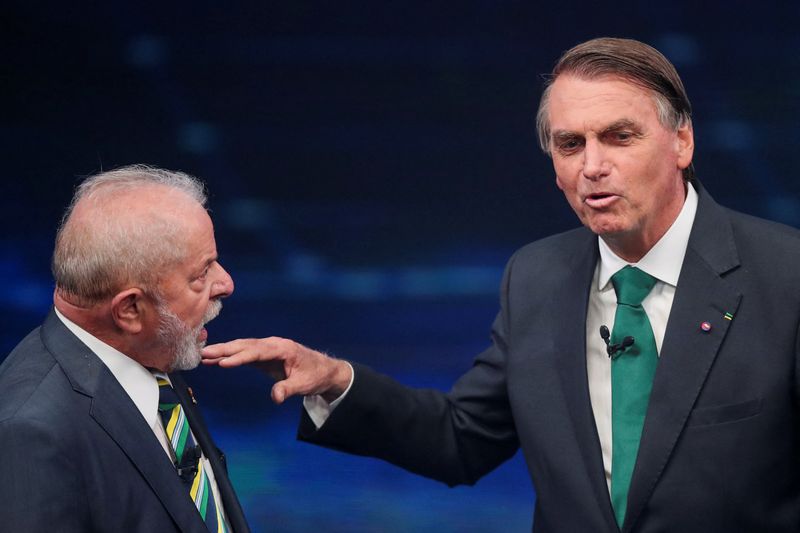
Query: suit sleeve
(40,488)
(455,438)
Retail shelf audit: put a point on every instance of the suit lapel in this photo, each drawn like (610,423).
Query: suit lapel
(687,352)
(572,300)
(114,411)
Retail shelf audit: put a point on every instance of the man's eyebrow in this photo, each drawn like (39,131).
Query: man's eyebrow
(621,124)
(208,262)
(564,134)
(617,125)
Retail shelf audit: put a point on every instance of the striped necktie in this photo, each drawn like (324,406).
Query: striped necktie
(187,457)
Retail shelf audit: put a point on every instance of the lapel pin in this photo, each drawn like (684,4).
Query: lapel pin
(191,395)
(705,326)
(728,316)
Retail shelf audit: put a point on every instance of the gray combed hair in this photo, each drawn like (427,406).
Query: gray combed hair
(95,258)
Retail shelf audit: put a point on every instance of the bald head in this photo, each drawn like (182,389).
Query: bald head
(124,227)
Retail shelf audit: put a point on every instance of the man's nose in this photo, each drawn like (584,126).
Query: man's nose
(595,162)
(222,286)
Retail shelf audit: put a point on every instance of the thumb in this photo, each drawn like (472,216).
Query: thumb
(285,388)
(279,392)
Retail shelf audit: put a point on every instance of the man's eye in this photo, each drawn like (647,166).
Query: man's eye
(569,145)
(622,136)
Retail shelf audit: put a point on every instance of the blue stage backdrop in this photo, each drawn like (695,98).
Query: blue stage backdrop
(371,167)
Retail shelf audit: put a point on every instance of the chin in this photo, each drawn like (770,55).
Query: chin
(607,226)
(605,230)
(187,359)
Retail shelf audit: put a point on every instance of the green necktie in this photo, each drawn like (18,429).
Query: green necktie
(632,373)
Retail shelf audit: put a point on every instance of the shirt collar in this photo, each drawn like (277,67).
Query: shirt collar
(664,260)
(135,379)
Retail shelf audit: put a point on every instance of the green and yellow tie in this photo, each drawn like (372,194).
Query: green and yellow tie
(187,457)
(632,373)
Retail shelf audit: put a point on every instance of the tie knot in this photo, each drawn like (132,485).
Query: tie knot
(167,399)
(632,285)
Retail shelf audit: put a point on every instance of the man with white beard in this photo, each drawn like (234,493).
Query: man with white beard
(97,432)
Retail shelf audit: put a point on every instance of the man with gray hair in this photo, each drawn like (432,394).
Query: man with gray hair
(646,363)
(97,432)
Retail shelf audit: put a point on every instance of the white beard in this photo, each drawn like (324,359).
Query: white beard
(179,339)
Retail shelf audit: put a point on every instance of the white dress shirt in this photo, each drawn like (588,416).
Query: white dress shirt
(663,262)
(142,388)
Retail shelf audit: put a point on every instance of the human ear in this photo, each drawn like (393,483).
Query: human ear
(128,309)
(685,146)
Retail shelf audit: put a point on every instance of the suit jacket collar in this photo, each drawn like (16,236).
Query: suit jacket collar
(688,352)
(114,411)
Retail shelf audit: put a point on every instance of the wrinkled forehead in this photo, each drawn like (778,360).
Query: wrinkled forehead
(576,101)
(572,94)
(574,86)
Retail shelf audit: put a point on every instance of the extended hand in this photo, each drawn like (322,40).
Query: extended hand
(297,369)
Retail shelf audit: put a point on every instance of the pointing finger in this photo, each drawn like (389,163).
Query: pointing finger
(224,349)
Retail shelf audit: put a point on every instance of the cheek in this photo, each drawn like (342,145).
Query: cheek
(565,175)
(570,194)
(193,309)
(200,307)
(567,185)
(562,182)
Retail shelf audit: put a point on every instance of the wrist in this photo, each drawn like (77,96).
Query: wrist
(341,377)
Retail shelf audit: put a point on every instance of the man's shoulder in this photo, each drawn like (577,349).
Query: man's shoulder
(30,377)
(755,251)
(560,247)
(755,228)
(713,219)
(762,244)
(552,261)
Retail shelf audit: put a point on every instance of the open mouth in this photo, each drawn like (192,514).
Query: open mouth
(600,199)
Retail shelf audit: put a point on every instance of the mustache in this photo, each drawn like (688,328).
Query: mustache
(214,308)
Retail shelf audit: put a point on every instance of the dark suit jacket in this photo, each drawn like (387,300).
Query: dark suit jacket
(76,454)
(719,449)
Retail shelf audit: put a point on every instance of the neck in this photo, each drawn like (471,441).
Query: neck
(630,248)
(94,318)
(87,316)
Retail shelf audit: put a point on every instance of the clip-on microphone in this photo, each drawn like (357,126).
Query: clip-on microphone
(189,464)
(612,349)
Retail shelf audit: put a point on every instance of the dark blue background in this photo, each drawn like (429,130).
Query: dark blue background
(371,167)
